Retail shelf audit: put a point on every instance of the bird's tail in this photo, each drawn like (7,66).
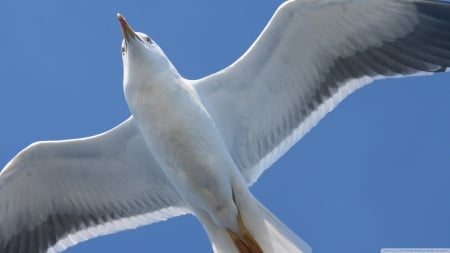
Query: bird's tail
(261,232)
(281,237)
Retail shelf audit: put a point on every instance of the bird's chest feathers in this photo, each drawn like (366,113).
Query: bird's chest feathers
(165,106)
(183,139)
(174,123)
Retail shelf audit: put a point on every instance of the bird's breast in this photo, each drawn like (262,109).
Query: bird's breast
(187,144)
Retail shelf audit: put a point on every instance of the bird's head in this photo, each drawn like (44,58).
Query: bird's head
(143,60)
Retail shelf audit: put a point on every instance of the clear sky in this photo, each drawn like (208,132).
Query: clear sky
(374,173)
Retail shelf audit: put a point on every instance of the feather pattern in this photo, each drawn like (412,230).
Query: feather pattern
(310,56)
(58,193)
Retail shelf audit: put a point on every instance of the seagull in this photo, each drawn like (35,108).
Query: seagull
(195,146)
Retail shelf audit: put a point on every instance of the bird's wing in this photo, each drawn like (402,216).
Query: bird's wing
(311,55)
(58,193)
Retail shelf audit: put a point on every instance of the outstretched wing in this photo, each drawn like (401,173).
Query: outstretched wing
(58,193)
(312,55)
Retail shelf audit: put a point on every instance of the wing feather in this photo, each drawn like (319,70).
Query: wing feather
(310,56)
(58,193)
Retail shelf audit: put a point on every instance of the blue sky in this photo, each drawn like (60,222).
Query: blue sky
(374,173)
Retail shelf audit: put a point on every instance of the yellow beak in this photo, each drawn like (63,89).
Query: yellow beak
(127,31)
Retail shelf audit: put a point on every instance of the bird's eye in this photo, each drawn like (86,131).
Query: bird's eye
(123,50)
(148,39)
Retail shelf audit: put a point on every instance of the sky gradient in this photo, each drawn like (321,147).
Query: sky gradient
(374,173)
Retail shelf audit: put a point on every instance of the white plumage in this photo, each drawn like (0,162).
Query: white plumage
(226,128)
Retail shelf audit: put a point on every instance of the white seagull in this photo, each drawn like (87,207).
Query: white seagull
(195,146)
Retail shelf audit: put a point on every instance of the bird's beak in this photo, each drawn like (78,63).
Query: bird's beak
(127,31)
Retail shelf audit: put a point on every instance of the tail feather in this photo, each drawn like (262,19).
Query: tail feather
(282,238)
(276,234)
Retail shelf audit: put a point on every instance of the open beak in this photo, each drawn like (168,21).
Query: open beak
(127,31)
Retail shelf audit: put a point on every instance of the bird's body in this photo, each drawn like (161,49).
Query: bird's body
(189,147)
(194,146)
(193,157)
